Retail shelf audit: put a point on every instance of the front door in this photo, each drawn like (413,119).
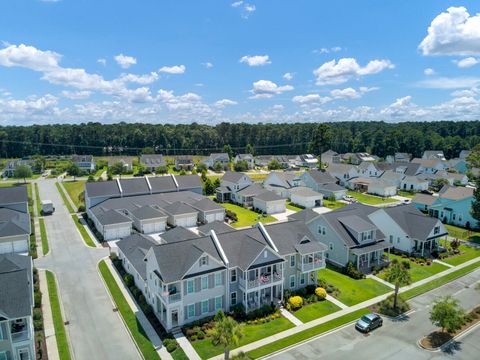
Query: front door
(174,318)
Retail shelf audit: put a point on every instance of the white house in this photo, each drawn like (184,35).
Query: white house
(269,203)
(248,158)
(305,197)
(413,183)
(381,188)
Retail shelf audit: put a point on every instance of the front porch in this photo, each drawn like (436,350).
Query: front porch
(426,247)
(272,295)
(369,257)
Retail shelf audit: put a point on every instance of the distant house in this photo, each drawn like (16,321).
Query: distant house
(307,160)
(17,340)
(451,206)
(324,183)
(343,172)
(392,178)
(9,170)
(429,166)
(127,163)
(152,161)
(214,158)
(15,227)
(184,162)
(369,169)
(402,157)
(413,183)
(459,165)
(248,158)
(230,184)
(84,162)
(282,182)
(373,186)
(464,154)
(358,158)
(433,155)
(330,157)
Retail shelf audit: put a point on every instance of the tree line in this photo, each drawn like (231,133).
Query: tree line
(379,138)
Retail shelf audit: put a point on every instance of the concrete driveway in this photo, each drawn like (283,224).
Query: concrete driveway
(95,331)
(398,339)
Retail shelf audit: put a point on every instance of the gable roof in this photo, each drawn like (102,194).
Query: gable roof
(305,215)
(251,190)
(188,182)
(13,195)
(287,179)
(305,192)
(233,177)
(82,158)
(135,186)
(16,284)
(424,199)
(206,204)
(218,226)
(268,196)
(152,160)
(13,223)
(178,233)
(147,212)
(102,188)
(321,177)
(179,208)
(135,247)
(455,192)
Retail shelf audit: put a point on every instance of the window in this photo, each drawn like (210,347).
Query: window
(265,254)
(292,260)
(398,240)
(204,306)
(302,279)
(233,298)
(218,279)
(190,286)
(204,282)
(321,230)
(204,260)
(436,230)
(330,246)
(391,239)
(233,275)
(459,217)
(218,303)
(191,310)
(292,281)
(453,216)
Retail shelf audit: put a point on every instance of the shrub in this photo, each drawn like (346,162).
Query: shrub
(38,299)
(81,208)
(170,344)
(193,338)
(200,335)
(321,293)
(295,302)
(310,289)
(129,280)
(351,270)
(38,324)
(37,314)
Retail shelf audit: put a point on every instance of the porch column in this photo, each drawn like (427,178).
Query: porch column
(358,261)
(379,255)
(368,259)
(422,246)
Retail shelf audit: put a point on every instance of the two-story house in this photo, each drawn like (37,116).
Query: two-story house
(221,158)
(343,172)
(248,158)
(9,170)
(369,169)
(282,182)
(152,162)
(17,340)
(429,166)
(84,162)
(184,162)
(230,184)
(324,182)
(330,157)
(15,227)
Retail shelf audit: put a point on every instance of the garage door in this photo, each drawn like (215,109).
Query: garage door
(153,228)
(276,208)
(117,233)
(187,221)
(20,246)
(214,217)
(5,248)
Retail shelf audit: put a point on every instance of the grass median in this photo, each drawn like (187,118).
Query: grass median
(43,236)
(58,324)
(138,334)
(64,198)
(37,201)
(85,235)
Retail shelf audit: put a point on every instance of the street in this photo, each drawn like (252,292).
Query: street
(398,339)
(95,331)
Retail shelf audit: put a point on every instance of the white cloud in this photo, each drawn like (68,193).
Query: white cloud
(176,69)
(311,98)
(263,89)
(208,65)
(245,8)
(255,60)
(76,95)
(328,50)
(139,79)
(467,62)
(125,61)
(102,61)
(454,32)
(288,76)
(429,71)
(449,83)
(465,93)
(28,57)
(236,4)
(351,93)
(225,102)
(33,107)
(332,72)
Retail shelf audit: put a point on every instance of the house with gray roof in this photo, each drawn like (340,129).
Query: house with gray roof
(269,202)
(17,340)
(221,158)
(392,178)
(127,163)
(248,158)
(188,279)
(10,166)
(433,155)
(184,162)
(15,227)
(230,184)
(84,162)
(152,161)
(342,172)
(325,182)
(369,169)
(281,182)
(330,157)
(305,197)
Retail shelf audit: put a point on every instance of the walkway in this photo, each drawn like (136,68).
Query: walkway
(50,339)
(336,302)
(287,314)
(386,283)
(186,346)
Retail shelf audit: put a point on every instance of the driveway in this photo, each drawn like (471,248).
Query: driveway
(95,331)
(398,339)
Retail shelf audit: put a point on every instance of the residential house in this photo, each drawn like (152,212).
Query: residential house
(402,157)
(451,206)
(325,182)
(358,158)
(307,160)
(464,154)
(17,341)
(230,183)
(305,197)
(392,178)
(372,186)
(433,155)
(429,166)
(249,267)
(126,162)
(408,169)
(413,183)
(152,162)
(15,226)
(459,165)
(84,162)
(369,169)
(9,170)
(184,162)
(281,182)
(343,172)
(330,157)
(349,235)
(248,158)
(221,158)
(269,202)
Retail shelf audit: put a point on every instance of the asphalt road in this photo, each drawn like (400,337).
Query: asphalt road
(398,339)
(95,331)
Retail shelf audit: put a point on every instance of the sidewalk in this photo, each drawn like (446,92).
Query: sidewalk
(50,339)
(36,223)
(386,283)
(186,346)
(290,317)
(336,302)
(141,318)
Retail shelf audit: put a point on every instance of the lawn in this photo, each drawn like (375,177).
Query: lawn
(466,253)
(64,198)
(370,199)
(74,189)
(353,291)
(86,237)
(464,234)
(333,204)
(418,272)
(99,172)
(43,235)
(127,314)
(37,200)
(251,333)
(406,194)
(60,333)
(257,177)
(316,310)
(293,207)
(247,217)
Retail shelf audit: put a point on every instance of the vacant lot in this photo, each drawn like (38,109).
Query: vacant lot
(247,217)
(74,189)
(370,199)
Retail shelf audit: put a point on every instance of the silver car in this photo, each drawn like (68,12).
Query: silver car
(369,322)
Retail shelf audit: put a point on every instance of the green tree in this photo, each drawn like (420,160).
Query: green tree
(226,333)
(447,313)
(249,149)
(39,163)
(148,150)
(73,170)
(23,172)
(241,166)
(274,165)
(475,209)
(208,186)
(321,140)
(398,274)
(162,170)
(117,169)
(439,183)
(228,149)
(201,167)
(217,166)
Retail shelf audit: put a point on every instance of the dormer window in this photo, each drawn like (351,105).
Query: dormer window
(436,230)
(204,261)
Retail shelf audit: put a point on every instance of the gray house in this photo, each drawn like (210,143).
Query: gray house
(15,227)
(189,279)
(17,340)
(221,158)
(9,170)
(84,162)
(324,183)
(152,161)
(248,158)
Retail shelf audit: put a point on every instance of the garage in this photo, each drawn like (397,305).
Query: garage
(154,227)
(216,216)
(187,220)
(269,202)
(305,197)
(116,232)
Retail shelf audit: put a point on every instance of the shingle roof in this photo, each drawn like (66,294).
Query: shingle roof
(207,205)
(218,226)
(286,178)
(147,212)
(456,192)
(179,208)
(178,233)
(162,184)
(16,287)
(424,199)
(305,192)
(268,196)
(102,188)
(135,247)
(110,217)
(233,177)
(321,177)
(13,194)
(331,187)
(304,215)
(136,186)
(14,223)
(251,190)
(82,158)
(152,160)
(186,182)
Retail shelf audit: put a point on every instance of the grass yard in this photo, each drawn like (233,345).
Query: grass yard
(406,194)
(257,177)
(333,204)
(86,237)
(99,172)
(64,198)
(353,291)
(74,189)
(466,253)
(37,201)
(293,207)
(464,234)
(60,333)
(251,333)
(370,199)
(316,310)
(247,217)
(417,272)
(43,235)
(127,314)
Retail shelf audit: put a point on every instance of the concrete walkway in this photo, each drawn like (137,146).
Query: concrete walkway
(336,302)
(287,314)
(376,278)
(443,263)
(141,318)
(49,329)
(187,348)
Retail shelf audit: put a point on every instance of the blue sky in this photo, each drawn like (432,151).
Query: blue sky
(253,61)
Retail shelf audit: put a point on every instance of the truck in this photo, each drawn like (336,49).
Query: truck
(47,207)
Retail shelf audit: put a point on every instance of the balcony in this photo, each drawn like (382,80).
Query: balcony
(20,336)
(262,280)
(170,298)
(311,262)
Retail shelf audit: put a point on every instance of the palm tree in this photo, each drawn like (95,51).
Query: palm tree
(398,274)
(227,333)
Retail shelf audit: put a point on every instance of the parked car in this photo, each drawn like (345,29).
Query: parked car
(407,201)
(369,322)
(349,199)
